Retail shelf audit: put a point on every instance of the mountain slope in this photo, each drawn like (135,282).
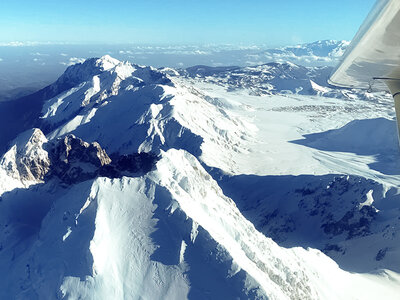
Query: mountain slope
(121,198)
(141,237)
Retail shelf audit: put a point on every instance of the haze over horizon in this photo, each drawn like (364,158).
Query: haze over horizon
(181,22)
(161,34)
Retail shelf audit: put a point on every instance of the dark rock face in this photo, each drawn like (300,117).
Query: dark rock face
(381,254)
(73,160)
(328,212)
(355,223)
(32,165)
(26,160)
(126,165)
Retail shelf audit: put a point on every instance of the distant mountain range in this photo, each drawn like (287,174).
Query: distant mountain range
(24,69)
(319,53)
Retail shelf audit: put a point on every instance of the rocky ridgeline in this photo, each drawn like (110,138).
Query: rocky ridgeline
(70,159)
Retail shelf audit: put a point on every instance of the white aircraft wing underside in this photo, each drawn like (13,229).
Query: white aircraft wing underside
(374,54)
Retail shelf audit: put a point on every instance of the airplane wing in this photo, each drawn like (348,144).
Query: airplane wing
(373,57)
(372,60)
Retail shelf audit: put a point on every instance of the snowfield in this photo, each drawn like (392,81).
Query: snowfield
(271,186)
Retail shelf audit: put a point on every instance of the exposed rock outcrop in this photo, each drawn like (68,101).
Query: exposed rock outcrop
(70,159)
(26,160)
(73,160)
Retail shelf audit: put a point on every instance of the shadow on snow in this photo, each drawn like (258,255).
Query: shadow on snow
(369,137)
(324,212)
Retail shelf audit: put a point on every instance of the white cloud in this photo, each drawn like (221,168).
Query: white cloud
(14,44)
(253,56)
(125,52)
(183,52)
(73,61)
(200,52)
(21,44)
(1,59)
(39,54)
(29,43)
(217,64)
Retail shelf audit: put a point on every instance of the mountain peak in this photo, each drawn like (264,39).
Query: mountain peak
(82,72)
(106,62)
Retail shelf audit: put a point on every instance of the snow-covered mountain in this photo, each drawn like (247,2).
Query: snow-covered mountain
(323,48)
(324,52)
(141,183)
(276,78)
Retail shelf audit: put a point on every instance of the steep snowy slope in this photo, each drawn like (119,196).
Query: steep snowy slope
(139,203)
(148,111)
(157,236)
(315,178)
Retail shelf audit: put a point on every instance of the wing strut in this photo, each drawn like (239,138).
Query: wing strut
(394,87)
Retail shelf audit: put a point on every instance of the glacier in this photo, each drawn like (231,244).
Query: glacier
(268,192)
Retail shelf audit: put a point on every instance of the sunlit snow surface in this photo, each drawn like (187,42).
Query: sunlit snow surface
(345,136)
(234,171)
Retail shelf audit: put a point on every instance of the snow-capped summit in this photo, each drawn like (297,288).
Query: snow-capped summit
(92,68)
(81,72)
(153,113)
(91,83)
(107,62)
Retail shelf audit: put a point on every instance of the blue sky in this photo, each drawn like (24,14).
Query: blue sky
(270,22)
